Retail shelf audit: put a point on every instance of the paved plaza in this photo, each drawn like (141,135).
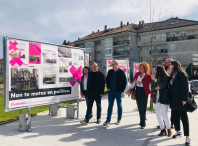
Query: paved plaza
(60,131)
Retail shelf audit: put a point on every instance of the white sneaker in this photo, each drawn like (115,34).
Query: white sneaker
(177,135)
(188,141)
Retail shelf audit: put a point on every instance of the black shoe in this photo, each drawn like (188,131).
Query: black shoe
(106,123)
(158,127)
(85,122)
(98,121)
(187,141)
(177,135)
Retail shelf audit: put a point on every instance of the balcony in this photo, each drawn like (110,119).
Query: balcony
(121,42)
(159,51)
(123,53)
(181,38)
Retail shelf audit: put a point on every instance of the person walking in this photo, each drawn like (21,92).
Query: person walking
(142,80)
(83,86)
(95,90)
(179,93)
(116,84)
(161,99)
(194,76)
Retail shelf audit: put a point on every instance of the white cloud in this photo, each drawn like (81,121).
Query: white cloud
(52,21)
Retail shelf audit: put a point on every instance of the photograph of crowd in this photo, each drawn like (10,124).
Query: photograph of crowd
(15,54)
(24,79)
(64,52)
(49,79)
(53,61)
(34,58)
(63,69)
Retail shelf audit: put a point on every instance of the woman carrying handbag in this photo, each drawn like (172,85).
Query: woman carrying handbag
(161,99)
(179,94)
(141,80)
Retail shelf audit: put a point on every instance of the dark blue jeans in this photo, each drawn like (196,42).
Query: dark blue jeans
(86,98)
(91,98)
(111,97)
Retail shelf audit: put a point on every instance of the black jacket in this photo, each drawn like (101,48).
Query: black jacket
(100,83)
(164,94)
(179,91)
(120,79)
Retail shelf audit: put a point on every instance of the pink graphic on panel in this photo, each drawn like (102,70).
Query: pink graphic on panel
(76,74)
(12,45)
(34,53)
(16,60)
(135,67)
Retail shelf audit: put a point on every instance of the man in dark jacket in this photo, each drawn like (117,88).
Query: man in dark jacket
(116,84)
(95,90)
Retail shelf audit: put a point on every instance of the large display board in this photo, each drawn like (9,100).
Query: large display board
(41,73)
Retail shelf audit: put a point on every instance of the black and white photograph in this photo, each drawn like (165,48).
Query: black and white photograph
(49,79)
(68,79)
(63,69)
(22,56)
(80,57)
(34,58)
(64,52)
(24,79)
(50,61)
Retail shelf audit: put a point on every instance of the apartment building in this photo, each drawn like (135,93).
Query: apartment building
(173,38)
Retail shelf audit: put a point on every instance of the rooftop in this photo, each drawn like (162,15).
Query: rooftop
(141,27)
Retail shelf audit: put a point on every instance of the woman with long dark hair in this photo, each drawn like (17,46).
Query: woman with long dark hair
(179,93)
(83,85)
(161,99)
(141,81)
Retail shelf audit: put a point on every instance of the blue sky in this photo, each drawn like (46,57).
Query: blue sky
(53,21)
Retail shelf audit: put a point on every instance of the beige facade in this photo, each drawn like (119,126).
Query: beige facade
(175,38)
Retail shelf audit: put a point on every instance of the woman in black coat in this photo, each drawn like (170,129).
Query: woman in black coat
(179,94)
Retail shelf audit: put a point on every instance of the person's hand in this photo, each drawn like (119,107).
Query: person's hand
(128,91)
(137,82)
(183,102)
(101,95)
(81,94)
(153,77)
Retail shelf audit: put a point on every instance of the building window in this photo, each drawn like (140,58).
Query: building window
(131,48)
(154,37)
(172,47)
(98,52)
(108,42)
(118,40)
(131,38)
(162,36)
(125,38)
(163,47)
(125,49)
(147,49)
(108,52)
(139,38)
(98,43)
(119,50)
(88,45)
(172,35)
(182,34)
(145,38)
